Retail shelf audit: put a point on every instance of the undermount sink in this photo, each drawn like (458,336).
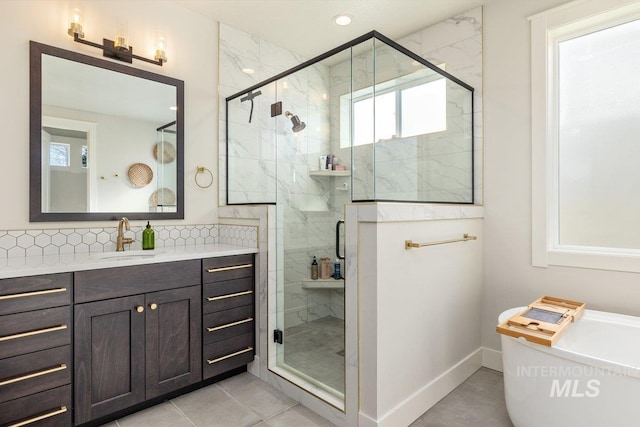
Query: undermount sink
(127,255)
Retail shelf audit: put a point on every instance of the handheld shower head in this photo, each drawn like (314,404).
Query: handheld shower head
(249,97)
(295,121)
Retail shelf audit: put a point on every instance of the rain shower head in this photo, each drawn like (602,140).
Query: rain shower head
(295,120)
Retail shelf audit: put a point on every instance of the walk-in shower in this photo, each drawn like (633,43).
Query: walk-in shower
(367,121)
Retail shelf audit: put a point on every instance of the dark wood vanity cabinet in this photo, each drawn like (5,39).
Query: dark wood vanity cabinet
(133,334)
(35,350)
(141,344)
(228,313)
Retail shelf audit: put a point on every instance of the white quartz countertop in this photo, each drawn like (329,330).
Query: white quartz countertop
(48,264)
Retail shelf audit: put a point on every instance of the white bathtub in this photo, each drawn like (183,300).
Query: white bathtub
(591,377)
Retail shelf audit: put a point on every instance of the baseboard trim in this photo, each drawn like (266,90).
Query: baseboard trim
(492,359)
(417,404)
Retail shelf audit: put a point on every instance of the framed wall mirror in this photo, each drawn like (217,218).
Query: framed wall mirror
(106,140)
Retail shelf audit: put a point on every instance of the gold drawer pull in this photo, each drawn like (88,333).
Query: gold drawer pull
(62,410)
(237,294)
(228,325)
(62,367)
(30,333)
(33,294)
(233,267)
(219,359)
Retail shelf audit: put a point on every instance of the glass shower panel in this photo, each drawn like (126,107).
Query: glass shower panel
(251,154)
(411,129)
(164,198)
(310,201)
(362,128)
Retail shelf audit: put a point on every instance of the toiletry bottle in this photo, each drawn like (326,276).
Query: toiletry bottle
(314,269)
(336,270)
(325,268)
(148,237)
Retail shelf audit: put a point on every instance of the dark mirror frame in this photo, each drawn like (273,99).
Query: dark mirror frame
(35,128)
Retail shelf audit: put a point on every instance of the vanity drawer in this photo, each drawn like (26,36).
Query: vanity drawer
(35,292)
(226,295)
(34,372)
(35,330)
(229,354)
(51,408)
(227,324)
(95,285)
(227,268)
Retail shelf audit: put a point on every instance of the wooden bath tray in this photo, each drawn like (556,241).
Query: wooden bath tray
(543,321)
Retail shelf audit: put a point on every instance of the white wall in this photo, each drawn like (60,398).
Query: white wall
(192,53)
(419,312)
(509,278)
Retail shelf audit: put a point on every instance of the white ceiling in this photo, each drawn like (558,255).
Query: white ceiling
(306,27)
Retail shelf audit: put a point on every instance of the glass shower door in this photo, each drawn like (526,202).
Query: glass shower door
(310,201)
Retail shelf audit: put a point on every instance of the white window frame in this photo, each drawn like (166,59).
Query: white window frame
(547,28)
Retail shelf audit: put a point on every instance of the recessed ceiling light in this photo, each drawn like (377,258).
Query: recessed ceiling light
(342,20)
(174,108)
(248,70)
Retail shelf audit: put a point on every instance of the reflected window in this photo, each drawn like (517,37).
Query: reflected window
(59,154)
(84,153)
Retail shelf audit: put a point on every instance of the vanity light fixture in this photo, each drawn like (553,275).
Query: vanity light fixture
(118,49)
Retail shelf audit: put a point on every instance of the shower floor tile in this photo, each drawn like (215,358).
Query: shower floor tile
(316,349)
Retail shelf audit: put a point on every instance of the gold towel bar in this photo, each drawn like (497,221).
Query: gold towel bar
(228,325)
(408,244)
(62,367)
(219,359)
(234,267)
(62,410)
(238,294)
(28,334)
(32,294)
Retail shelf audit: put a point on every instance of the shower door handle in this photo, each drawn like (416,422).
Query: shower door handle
(338,239)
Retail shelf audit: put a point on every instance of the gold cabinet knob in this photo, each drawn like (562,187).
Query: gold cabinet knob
(153,306)
(139,309)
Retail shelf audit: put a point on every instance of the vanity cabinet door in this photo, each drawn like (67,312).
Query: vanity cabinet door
(173,339)
(109,356)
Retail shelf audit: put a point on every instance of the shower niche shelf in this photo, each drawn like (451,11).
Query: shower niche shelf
(330,173)
(323,284)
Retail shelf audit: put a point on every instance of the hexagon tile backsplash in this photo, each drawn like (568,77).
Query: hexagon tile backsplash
(20,243)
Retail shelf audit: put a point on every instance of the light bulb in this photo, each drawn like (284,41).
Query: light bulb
(75,22)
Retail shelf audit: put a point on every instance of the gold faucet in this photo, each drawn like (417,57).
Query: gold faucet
(121,239)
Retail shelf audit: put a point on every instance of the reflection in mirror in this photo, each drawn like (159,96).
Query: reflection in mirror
(106,139)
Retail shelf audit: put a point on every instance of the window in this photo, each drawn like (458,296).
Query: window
(59,154)
(585,122)
(83,156)
(403,108)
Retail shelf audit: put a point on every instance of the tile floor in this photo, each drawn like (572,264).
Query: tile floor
(245,400)
(316,348)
